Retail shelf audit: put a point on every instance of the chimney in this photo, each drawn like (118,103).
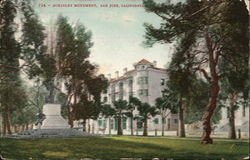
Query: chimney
(155,63)
(117,74)
(109,76)
(125,70)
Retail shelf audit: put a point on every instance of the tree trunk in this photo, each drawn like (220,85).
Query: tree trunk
(8,125)
(145,129)
(109,126)
(214,90)
(88,125)
(26,126)
(73,115)
(70,122)
(23,127)
(232,132)
(4,125)
(206,139)
(181,119)
(162,126)
(15,129)
(84,125)
(119,130)
(132,125)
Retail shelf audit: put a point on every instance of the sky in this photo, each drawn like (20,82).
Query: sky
(117,33)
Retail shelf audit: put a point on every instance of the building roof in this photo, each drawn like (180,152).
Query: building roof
(143,61)
(130,71)
(161,69)
(125,76)
(117,79)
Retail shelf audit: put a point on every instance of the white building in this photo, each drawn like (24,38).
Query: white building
(146,82)
(241,121)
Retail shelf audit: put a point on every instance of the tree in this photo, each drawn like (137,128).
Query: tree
(72,50)
(84,110)
(236,75)
(133,104)
(211,22)
(181,76)
(33,101)
(166,105)
(27,49)
(120,107)
(108,112)
(146,112)
(233,92)
(13,99)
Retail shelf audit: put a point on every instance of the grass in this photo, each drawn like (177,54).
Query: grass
(115,147)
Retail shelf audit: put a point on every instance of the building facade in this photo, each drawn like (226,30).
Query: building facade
(146,82)
(241,121)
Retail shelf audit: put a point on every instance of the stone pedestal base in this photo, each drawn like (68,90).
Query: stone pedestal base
(53,119)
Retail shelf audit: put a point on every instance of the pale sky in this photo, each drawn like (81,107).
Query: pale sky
(117,32)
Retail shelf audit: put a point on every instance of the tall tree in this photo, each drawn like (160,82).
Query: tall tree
(108,112)
(73,45)
(146,112)
(209,19)
(29,48)
(9,62)
(236,74)
(181,76)
(121,107)
(133,104)
(165,105)
(84,110)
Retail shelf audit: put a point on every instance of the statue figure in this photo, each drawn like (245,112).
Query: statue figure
(39,121)
(52,87)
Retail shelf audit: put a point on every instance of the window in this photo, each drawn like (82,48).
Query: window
(175,120)
(116,124)
(130,82)
(111,124)
(142,67)
(156,121)
(105,99)
(143,92)
(124,123)
(143,80)
(162,82)
(140,92)
(104,124)
(139,123)
(99,123)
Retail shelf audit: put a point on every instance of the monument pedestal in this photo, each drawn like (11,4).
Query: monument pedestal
(53,118)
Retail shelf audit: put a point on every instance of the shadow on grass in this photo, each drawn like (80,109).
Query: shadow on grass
(96,147)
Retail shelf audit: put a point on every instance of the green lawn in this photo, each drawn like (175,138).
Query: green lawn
(122,147)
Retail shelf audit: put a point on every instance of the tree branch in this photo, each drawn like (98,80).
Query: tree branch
(205,74)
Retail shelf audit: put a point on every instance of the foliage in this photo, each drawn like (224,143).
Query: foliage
(120,107)
(20,52)
(107,110)
(211,23)
(70,60)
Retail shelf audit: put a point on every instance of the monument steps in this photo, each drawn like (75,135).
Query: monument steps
(51,133)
